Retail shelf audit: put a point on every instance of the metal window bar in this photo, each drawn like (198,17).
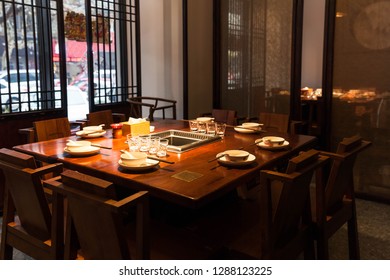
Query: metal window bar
(118,52)
(21,59)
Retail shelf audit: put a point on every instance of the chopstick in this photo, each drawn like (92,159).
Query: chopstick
(222,155)
(218,157)
(100,146)
(162,160)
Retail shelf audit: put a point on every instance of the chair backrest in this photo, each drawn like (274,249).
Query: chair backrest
(52,129)
(273,122)
(226,116)
(340,180)
(98,219)
(100,117)
(286,203)
(24,184)
(153,104)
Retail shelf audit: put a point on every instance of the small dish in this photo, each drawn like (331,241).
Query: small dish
(93,128)
(148,164)
(236,155)
(224,161)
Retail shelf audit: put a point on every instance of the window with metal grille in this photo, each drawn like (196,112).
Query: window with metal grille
(53,50)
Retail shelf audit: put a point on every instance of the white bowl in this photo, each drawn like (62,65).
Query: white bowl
(273,141)
(96,128)
(204,119)
(251,125)
(133,158)
(77,146)
(236,155)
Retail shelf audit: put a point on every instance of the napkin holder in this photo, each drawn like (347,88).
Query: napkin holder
(136,128)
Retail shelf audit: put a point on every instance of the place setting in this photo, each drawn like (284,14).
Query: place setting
(81,148)
(92,131)
(272,143)
(248,127)
(145,152)
(234,158)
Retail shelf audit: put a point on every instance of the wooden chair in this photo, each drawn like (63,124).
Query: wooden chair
(34,230)
(334,203)
(274,122)
(105,117)
(225,116)
(283,211)
(96,218)
(49,129)
(153,104)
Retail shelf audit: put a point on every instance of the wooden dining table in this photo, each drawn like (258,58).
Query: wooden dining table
(192,181)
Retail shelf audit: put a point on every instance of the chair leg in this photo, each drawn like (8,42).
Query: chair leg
(353,239)
(6,251)
(308,253)
(322,247)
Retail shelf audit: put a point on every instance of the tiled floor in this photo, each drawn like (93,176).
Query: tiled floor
(374,234)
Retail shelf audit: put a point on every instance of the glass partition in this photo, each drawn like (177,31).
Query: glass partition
(361,88)
(255,56)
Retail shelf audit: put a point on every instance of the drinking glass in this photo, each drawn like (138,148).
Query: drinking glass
(154,145)
(202,127)
(133,142)
(211,128)
(162,151)
(193,125)
(221,127)
(144,143)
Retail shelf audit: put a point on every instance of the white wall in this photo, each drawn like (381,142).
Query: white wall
(161,50)
(312,44)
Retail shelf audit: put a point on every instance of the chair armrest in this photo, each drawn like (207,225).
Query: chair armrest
(55,168)
(29,134)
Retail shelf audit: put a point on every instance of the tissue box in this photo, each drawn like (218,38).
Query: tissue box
(136,128)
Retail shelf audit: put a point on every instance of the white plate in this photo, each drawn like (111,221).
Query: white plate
(87,151)
(243,130)
(223,160)
(276,147)
(150,163)
(92,135)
